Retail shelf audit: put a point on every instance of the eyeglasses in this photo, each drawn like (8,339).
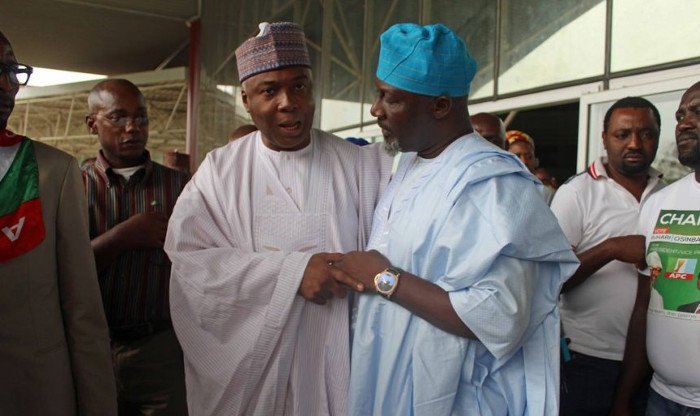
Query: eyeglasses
(121,121)
(17,73)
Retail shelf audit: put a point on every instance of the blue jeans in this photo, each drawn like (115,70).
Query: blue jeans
(588,387)
(658,405)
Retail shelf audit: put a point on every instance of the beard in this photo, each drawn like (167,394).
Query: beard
(688,149)
(392,147)
(690,157)
(634,169)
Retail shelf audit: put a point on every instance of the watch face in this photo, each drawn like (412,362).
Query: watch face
(386,281)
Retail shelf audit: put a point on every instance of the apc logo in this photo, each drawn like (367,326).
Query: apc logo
(683,270)
(12,232)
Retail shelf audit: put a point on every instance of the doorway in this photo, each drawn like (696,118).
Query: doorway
(555,132)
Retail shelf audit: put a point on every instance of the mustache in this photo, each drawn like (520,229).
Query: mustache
(687,135)
(133,140)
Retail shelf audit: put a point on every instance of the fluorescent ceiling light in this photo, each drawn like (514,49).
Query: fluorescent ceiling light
(42,77)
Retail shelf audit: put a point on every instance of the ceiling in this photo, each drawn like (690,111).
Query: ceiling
(107,37)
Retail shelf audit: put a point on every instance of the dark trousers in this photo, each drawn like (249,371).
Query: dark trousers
(150,376)
(588,387)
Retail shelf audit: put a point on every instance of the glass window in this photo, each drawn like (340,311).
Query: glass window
(355,46)
(661,31)
(342,92)
(476,23)
(550,42)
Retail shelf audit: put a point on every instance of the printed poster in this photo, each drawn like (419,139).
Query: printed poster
(672,257)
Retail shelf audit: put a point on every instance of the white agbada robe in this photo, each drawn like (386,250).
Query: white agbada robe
(239,243)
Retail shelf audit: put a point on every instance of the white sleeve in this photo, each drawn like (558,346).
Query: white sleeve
(569,212)
(228,304)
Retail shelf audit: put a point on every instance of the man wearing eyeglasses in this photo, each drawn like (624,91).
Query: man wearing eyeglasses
(54,349)
(130,199)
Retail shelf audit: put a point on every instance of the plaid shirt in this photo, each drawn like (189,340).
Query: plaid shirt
(134,287)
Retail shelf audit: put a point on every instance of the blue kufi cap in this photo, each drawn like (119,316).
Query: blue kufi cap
(429,60)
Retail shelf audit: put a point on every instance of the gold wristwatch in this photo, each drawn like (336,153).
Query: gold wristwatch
(386,281)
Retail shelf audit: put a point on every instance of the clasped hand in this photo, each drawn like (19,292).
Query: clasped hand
(322,281)
(330,275)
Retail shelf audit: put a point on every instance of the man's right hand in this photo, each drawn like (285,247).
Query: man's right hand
(322,281)
(627,248)
(630,249)
(143,231)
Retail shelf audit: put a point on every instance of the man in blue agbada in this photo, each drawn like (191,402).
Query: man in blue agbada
(460,312)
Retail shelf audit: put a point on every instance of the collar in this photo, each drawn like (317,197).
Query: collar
(597,170)
(8,138)
(103,167)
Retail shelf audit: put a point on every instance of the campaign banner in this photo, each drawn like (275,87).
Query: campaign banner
(21,220)
(672,257)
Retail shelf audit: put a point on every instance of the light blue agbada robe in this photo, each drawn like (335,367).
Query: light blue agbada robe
(476,224)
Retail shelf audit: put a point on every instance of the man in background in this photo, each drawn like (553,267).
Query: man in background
(242,130)
(546,178)
(130,198)
(599,213)
(491,128)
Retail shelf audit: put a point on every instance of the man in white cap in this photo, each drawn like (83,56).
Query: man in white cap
(260,312)
(460,312)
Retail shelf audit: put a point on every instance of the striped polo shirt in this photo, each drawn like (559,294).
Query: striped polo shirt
(135,286)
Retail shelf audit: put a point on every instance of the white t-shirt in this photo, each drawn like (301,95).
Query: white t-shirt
(7,156)
(592,208)
(127,173)
(670,221)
